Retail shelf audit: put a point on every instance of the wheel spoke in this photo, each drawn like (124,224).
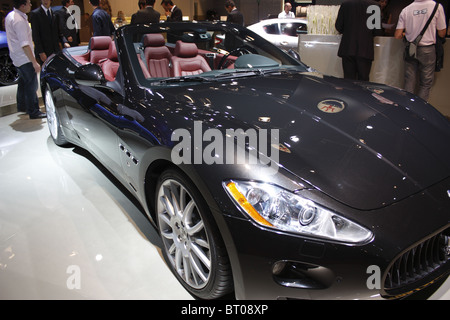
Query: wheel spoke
(197,268)
(172,249)
(167,205)
(202,243)
(187,212)
(197,273)
(179,261)
(187,270)
(182,199)
(175,198)
(165,218)
(193,230)
(201,255)
(167,235)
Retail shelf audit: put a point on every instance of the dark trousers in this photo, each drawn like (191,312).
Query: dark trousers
(27,99)
(356,68)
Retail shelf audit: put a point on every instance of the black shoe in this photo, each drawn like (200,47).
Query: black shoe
(38,115)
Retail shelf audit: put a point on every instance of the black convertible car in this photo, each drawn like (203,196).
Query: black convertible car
(263,177)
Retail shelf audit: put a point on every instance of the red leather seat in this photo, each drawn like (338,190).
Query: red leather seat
(111,64)
(186,60)
(157,55)
(99,47)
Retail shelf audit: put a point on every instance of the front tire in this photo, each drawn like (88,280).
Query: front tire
(192,246)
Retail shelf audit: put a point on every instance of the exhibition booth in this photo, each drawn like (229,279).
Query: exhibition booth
(100,202)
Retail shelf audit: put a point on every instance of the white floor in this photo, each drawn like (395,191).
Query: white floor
(68,232)
(8,95)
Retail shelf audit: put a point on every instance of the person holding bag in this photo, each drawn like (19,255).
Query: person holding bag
(422,21)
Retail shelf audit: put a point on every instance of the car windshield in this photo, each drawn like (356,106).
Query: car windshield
(169,53)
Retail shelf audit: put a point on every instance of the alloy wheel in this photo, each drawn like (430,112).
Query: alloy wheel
(184,235)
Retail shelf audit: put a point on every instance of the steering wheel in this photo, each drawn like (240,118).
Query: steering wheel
(241,51)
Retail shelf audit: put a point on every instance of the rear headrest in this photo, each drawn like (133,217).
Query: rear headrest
(185,50)
(153,40)
(99,43)
(112,52)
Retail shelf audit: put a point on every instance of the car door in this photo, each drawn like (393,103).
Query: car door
(93,112)
(138,113)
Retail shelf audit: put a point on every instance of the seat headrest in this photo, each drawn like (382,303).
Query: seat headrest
(99,43)
(185,49)
(158,53)
(112,52)
(153,40)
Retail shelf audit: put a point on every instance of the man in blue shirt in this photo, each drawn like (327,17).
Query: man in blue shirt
(101,21)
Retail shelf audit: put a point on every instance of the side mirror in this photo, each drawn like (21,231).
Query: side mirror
(90,75)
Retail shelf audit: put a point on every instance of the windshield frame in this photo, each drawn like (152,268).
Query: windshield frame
(132,35)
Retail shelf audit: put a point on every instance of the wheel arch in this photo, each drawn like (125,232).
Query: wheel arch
(157,167)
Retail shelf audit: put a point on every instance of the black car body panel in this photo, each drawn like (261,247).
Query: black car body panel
(373,154)
(356,165)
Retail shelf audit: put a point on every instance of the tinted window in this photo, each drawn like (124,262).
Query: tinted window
(293,29)
(272,28)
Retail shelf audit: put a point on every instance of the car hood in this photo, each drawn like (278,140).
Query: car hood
(365,145)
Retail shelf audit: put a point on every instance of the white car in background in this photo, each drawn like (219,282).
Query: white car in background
(281,32)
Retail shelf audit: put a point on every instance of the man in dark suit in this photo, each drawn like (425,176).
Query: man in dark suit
(101,21)
(234,15)
(173,13)
(356,48)
(67,24)
(146,15)
(141,5)
(45,31)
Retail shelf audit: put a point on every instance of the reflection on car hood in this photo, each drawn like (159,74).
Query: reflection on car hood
(365,145)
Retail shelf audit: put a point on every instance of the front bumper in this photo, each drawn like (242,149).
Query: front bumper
(269,264)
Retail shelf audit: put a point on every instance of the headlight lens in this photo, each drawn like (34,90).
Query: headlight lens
(277,208)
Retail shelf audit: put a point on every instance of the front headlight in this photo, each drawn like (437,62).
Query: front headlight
(277,208)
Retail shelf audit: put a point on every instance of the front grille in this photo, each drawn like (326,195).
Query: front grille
(418,262)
